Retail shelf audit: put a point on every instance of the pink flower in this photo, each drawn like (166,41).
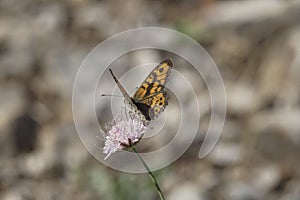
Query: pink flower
(123,134)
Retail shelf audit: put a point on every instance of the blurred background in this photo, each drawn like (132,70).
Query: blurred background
(255,44)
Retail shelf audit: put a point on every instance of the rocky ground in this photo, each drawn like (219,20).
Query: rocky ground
(255,44)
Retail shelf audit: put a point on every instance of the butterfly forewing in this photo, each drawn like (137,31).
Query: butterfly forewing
(155,81)
(152,91)
(150,98)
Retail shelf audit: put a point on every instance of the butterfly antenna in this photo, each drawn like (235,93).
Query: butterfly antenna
(110,95)
(116,80)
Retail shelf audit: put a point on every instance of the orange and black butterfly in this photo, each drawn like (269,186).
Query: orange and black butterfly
(150,99)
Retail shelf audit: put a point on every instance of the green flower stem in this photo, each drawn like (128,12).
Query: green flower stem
(161,195)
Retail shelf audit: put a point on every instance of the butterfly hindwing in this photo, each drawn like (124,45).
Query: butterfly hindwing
(158,104)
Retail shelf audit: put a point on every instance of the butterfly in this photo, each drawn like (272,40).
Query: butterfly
(150,99)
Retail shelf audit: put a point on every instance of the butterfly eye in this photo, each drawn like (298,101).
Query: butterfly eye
(161,70)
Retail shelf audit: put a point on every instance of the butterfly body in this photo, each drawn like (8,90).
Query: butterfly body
(150,99)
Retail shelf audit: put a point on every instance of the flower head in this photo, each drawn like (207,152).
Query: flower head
(123,134)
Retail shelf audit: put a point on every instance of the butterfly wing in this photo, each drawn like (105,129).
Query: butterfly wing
(152,91)
(155,81)
(150,99)
(158,104)
(133,106)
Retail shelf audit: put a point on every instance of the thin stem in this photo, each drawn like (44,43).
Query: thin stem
(161,195)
